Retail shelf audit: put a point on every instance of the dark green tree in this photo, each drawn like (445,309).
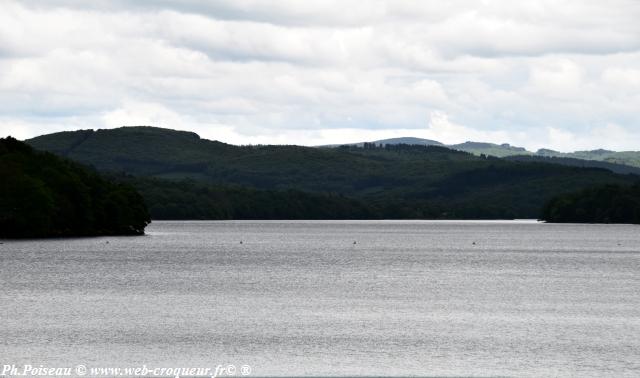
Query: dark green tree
(42,195)
(601,204)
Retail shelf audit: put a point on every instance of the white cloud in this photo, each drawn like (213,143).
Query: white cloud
(609,136)
(558,79)
(319,71)
(622,79)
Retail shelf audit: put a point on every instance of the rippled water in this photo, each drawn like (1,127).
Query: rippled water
(301,298)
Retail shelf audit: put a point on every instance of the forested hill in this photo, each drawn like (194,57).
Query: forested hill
(42,195)
(572,162)
(405,181)
(621,160)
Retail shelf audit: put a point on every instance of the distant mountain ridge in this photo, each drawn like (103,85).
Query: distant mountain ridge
(628,158)
(410,140)
(393,141)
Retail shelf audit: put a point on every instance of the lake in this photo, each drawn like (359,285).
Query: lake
(393,298)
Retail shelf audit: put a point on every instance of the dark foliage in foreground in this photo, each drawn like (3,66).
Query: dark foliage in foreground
(602,204)
(42,195)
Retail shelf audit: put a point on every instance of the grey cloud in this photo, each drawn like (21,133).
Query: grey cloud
(274,66)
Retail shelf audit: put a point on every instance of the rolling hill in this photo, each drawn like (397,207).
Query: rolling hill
(623,158)
(394,180)
(405,140)
(491,149)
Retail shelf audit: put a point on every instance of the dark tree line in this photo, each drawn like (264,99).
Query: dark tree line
(602,204)
(189,199)
(42,195)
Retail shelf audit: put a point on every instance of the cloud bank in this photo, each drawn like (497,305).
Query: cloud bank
(561,74)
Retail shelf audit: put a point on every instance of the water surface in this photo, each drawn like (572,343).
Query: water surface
(331,298)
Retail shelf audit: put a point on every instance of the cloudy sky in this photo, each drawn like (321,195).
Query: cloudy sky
(563,74)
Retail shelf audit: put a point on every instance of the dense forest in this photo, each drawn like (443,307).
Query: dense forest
(189,199)
(182,176)
(601,204)
(573,162)
(42,195)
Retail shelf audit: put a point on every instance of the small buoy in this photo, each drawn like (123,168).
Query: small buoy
(474,243)
(240,241)
(354,242)
(107,242)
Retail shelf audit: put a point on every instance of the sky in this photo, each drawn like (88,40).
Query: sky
(560,74)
